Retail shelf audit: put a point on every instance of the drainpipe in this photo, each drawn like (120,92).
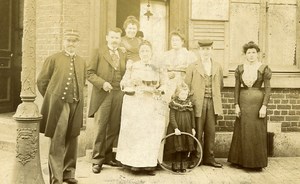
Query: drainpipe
(27,164)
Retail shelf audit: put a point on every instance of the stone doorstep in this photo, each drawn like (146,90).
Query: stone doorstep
(8,125)
(7,143)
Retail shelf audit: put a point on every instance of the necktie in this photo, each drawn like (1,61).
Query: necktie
(115,59)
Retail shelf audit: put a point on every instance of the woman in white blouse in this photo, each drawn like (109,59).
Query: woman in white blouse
(249,142)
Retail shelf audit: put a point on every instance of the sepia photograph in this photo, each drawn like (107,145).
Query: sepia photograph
(150,91)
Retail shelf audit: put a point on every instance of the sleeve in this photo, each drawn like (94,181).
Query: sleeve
(172,119)
(45,75)
(267,85)
(193,119)
(126,78)
(189,77)
(237,86)
(191,57)
(163,76)
(92,67)
(221,78)
(84,75)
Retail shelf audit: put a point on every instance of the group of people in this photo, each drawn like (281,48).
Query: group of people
(138,99)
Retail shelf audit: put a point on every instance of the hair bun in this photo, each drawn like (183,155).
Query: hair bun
(250,45)
(131,20)
(131,17)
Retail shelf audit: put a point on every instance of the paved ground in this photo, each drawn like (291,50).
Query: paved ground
(280,170)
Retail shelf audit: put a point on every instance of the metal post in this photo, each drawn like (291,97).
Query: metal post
(27,164)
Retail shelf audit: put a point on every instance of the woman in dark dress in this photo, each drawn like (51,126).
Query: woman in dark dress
(130,43)
(181,119)
(249,142)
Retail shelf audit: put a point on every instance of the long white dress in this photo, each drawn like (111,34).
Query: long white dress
(143,117)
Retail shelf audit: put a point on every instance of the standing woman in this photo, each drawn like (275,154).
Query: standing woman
(143,116)
(249,142)
(130,43)
(176,61)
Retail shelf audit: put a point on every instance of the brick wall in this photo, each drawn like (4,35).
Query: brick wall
(56,15)
(53,17)
(226,122)
(283,108)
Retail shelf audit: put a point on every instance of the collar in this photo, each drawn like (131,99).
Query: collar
(111,48)
(70,54)
(206,62)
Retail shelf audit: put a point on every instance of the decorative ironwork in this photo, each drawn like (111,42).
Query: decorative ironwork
(148,13)
(27,144)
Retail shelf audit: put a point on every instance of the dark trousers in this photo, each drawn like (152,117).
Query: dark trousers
(63,149)
(205,128)
(107,126)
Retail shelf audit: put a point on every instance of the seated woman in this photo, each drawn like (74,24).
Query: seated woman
(143,116)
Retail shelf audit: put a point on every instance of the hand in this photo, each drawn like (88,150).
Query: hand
(263,111)
(237,110)
(177,131)
(135,82)
(193,132)
(123,49)
(107,86)
(122,85)
(171,75)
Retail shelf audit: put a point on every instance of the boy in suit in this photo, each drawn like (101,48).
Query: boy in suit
(205,80)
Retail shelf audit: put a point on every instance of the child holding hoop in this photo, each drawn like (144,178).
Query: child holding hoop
(181,120)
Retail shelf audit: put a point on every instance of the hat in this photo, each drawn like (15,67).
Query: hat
(71,33)
(205,43)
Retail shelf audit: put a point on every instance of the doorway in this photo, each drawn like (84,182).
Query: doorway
(11,23)
(155,27)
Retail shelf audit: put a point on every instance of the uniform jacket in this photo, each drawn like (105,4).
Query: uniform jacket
(51,83)
(196,82)
(99,70)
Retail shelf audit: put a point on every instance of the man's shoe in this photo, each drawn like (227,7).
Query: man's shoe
(214,164)
(96,168)
(114,163)
(71,181)
(151,173)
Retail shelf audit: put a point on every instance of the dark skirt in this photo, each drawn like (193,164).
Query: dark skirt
(249,142)
(179,143)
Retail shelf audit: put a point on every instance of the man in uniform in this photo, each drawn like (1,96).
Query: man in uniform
(61,83)
(205,80)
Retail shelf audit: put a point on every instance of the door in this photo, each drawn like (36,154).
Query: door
(10,62)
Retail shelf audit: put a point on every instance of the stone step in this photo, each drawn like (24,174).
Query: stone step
(7,132)
(8,125)
(7,143)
